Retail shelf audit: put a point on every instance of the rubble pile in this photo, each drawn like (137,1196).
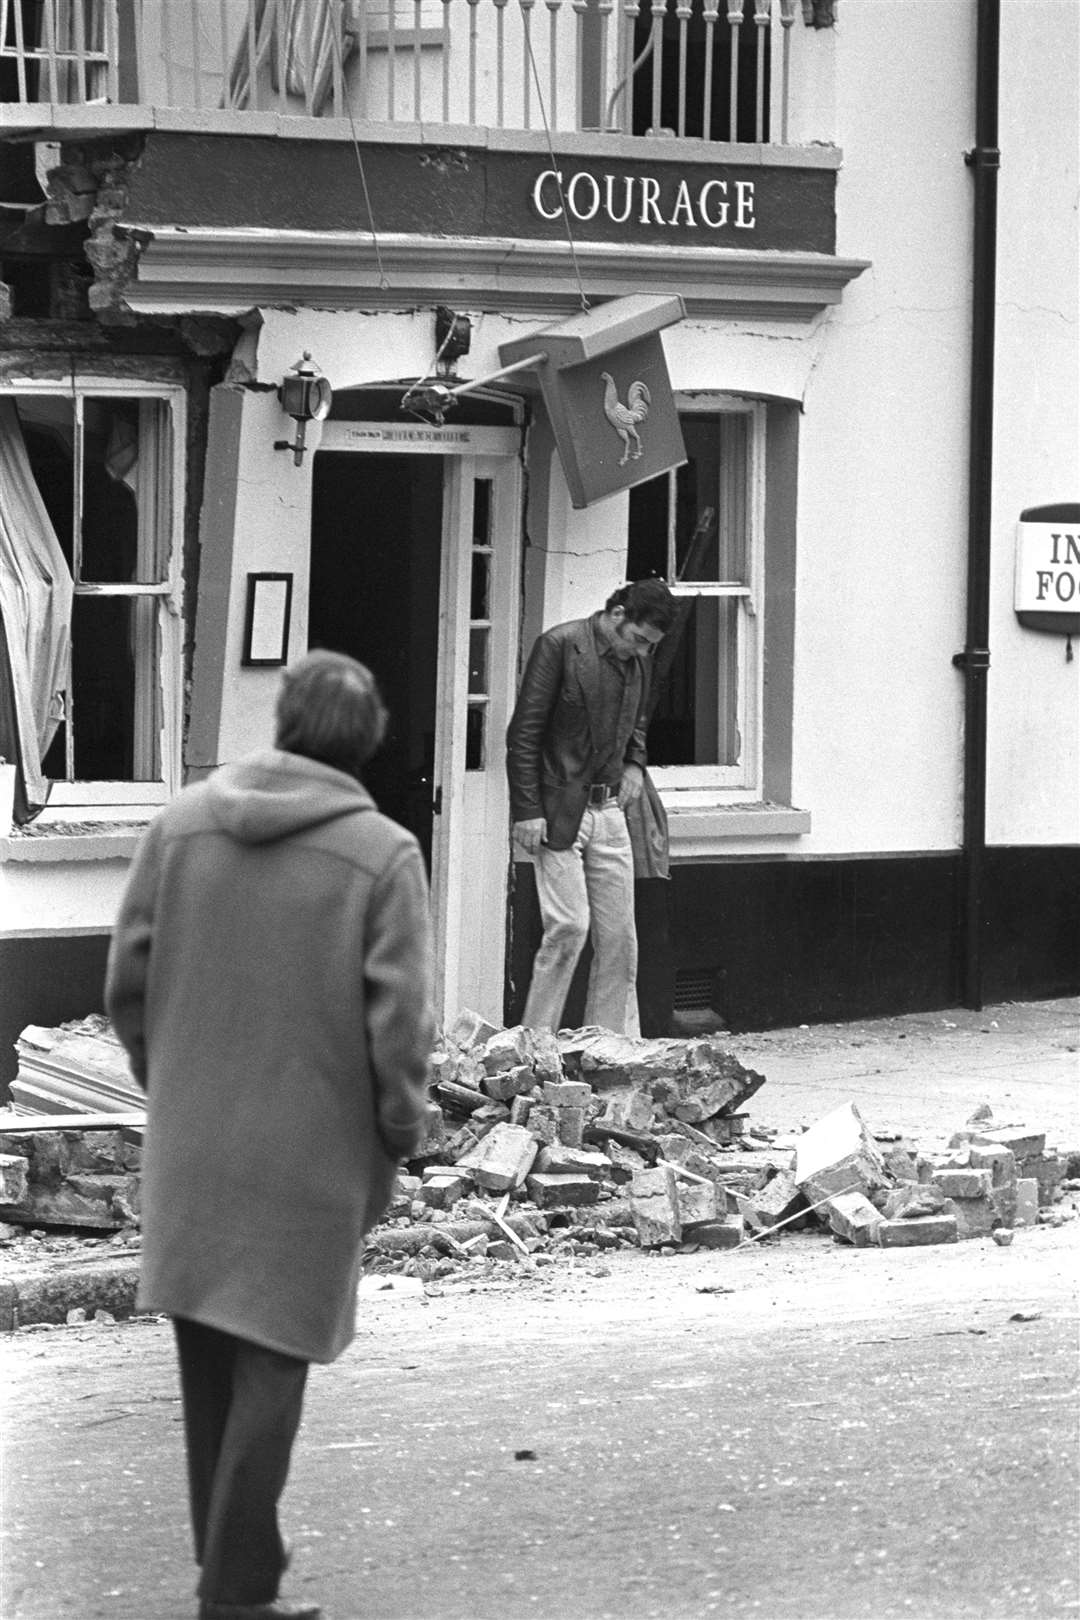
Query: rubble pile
(591,1141)
(587,1141)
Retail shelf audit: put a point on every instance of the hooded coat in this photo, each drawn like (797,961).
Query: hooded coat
(270,977)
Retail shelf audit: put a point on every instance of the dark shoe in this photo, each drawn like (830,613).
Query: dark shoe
(278,1609)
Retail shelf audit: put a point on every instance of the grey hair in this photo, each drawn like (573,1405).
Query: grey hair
(329,708)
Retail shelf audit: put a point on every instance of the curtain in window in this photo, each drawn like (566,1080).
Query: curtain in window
(294,39)
(35,602)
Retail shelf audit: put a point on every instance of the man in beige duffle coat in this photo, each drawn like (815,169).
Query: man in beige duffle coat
(271,978)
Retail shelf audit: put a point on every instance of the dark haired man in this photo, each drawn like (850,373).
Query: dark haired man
(575,759)
(270,977)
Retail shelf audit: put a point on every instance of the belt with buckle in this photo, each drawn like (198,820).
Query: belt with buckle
(602,793)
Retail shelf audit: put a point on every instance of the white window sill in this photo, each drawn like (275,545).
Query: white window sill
(701,832)
(72,841)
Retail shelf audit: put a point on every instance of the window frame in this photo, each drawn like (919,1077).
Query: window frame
(105,800)
(704,786)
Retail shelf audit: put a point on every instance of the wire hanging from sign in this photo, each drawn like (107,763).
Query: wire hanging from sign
(384,280)
(551,153)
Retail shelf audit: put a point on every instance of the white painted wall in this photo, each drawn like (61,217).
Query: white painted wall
(1034,695)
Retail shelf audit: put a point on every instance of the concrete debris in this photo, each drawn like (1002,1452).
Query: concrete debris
(538,1144)
(76,1068)
(838,1155)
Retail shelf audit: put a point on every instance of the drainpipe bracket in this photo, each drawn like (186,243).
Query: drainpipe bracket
(983,157)
(972,658)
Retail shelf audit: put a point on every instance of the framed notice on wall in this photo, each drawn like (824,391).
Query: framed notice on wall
(266,624)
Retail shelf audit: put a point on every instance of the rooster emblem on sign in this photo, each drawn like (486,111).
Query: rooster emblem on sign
(625,418)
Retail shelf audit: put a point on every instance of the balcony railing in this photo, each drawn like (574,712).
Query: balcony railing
(709,69)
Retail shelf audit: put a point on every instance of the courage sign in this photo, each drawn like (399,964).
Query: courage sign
(645,199)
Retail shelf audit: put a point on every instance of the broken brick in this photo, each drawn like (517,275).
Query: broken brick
(974,1217)
(853,1217)
(779,1199)
(13,1173)
(923,1229)
(502,1160)
(654,1204)
(725,1233)
(910,1200)
(837,1155)
(1022,1143)
(993,1156)
(1027,1201)
(560,1160)
(503,1085)
(963,1183)
(567,1094)
(550,1191)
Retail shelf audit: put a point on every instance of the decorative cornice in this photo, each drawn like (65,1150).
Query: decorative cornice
(228,271)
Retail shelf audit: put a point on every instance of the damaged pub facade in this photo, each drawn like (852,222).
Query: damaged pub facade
(411,329)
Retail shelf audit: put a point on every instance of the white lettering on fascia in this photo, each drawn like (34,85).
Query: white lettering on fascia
(587,197)
(538,190)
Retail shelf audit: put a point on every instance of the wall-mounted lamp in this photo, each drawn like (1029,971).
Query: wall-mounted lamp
(306,396)
(453,338)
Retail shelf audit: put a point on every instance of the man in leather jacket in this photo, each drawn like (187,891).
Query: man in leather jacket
(575,759)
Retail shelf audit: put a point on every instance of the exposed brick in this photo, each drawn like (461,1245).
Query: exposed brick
(913,1233)
(550,1191)
(963,1183)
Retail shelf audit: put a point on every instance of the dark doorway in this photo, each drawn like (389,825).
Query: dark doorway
(376,541)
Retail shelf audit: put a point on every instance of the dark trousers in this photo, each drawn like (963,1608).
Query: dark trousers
(242,1405)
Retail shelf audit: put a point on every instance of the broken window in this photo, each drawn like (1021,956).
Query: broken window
(95,523)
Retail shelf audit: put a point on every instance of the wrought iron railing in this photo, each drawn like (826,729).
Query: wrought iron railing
(708,69)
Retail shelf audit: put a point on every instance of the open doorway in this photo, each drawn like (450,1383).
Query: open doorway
(376,557)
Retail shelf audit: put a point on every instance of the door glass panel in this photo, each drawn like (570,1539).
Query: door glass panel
(478,662)
(476,737)
(481,585)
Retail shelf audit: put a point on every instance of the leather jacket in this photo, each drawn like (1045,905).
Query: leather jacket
(551,745)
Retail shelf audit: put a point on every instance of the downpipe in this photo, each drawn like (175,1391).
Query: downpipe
(984,161)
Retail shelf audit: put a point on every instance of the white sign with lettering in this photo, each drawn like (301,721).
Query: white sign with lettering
(1047,568)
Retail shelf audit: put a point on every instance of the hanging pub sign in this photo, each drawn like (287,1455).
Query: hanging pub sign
(604,381)
(1048,568)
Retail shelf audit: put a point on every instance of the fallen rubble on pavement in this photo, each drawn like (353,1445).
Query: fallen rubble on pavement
(588,1141)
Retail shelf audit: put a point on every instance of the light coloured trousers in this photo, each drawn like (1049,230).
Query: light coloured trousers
(587,891)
